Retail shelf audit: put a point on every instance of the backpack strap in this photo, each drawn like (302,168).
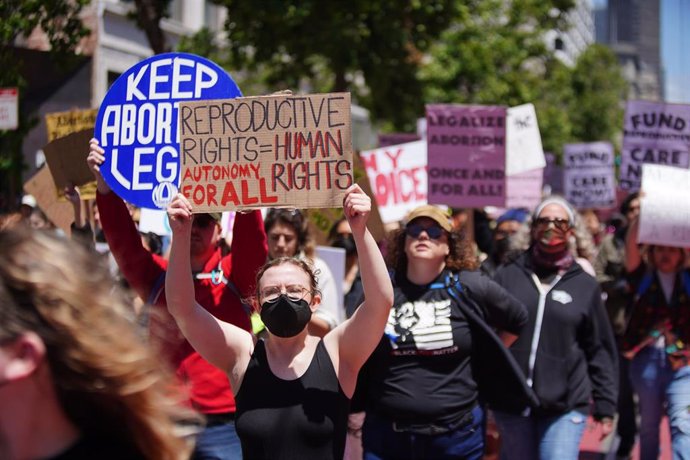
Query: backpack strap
(216,276)
(685,280)
(645,283)
(156,290)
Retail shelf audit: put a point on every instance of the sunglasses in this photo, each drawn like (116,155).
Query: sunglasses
(203,221)
(561,224)
(434,232)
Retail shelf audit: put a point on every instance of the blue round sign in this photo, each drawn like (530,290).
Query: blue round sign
(137,123)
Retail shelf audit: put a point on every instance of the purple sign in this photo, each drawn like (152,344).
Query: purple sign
(589,176)
(657,133)
(553,175)
(389,139)
(467,155)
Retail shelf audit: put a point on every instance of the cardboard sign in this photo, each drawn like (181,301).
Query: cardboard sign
(60,124)
(321,220)
(388,139)
(664,207)
(138,127)
(66,158)
(467,155)
(9,108)
(524,190)
(267,151)
(42,187)
(657,133)
(398,177)
(589,176)
(524,151)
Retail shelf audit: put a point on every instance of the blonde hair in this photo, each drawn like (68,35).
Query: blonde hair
(107,380)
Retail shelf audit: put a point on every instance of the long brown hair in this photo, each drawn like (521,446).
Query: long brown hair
(460,255)
(108,381)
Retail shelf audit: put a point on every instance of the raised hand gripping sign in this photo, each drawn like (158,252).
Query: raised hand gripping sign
(137,123)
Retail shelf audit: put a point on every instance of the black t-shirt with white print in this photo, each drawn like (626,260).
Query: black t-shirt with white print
(420,371)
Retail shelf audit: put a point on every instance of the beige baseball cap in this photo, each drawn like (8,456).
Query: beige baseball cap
(432,212)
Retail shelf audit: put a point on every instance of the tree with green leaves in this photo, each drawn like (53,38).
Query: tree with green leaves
(63,27)
(372,48)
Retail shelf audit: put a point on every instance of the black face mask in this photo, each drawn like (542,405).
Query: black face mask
(501,248)
(285,317)
(345,242)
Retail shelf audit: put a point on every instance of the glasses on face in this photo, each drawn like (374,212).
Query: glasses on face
(561,224)
(294,292)
(414,230)
(203,221)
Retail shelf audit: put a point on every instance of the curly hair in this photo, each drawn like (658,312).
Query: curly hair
(299,263)
(460,257)
(108,382)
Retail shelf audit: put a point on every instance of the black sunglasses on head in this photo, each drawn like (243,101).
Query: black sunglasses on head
(414,230)
(203,220)
(561,224)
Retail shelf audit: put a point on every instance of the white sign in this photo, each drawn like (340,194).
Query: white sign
(335,259)
(9,108)
(664,207)
(524,151)
(398,178)
(155,221)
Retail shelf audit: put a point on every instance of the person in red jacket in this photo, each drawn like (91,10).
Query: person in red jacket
(218,285)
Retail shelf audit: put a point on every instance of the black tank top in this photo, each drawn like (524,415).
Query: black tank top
(305,418)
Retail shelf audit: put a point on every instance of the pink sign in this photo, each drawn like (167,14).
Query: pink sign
(467,159)
(523,190)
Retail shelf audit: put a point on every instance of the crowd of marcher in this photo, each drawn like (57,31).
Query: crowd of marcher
(114,344)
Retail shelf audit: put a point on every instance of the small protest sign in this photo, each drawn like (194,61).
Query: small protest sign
(42,187)
(589,176)
(664,209)
(335,259)
(388,139)
(66,158)
(60,124)
(524,151)
(466,155)
(657,133)
(267,151)
(553,175)
(524,189)
(398,177)
(138,127)
(9,108)
(155,221)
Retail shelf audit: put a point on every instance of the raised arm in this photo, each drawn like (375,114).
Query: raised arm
(355,339)
(220,343)
(140,268)
(632,250)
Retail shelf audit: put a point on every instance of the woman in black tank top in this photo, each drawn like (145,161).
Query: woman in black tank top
(292,389)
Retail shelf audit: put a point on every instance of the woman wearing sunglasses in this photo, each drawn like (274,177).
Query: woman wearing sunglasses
(567,350)
(292,388)
(419,390)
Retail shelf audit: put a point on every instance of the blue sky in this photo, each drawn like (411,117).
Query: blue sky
(675,49)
